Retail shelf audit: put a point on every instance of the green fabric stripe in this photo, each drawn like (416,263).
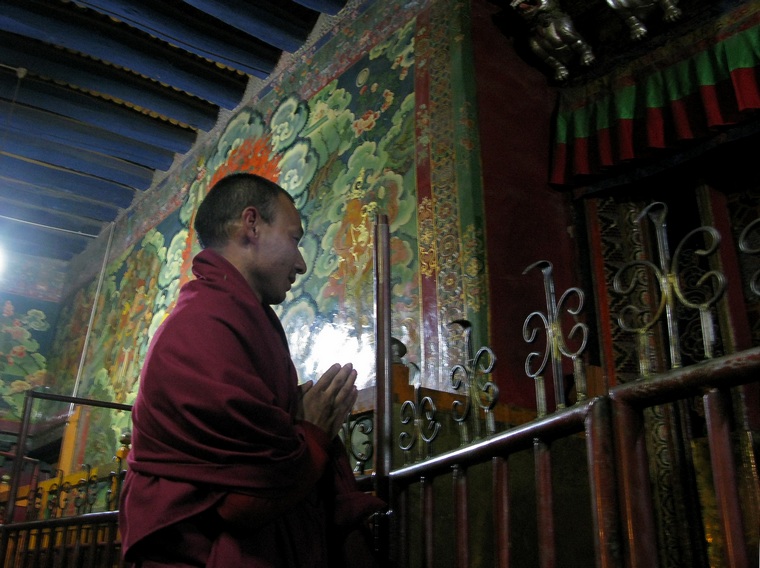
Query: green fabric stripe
(743,49)
(658,88)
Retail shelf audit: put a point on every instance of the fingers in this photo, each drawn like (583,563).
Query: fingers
(337,378)
(333,396)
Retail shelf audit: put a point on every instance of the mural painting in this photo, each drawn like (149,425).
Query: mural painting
(23,343)
(366,140)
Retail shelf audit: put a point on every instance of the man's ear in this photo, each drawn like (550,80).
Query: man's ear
(250,222)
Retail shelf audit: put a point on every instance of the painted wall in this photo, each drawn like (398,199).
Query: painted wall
(30,292)
(376,117)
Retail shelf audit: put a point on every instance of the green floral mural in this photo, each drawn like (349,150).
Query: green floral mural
(344,131)
(22,366)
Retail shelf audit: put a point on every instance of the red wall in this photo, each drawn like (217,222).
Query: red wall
(526,220)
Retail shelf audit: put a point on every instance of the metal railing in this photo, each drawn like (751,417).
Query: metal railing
(86,539)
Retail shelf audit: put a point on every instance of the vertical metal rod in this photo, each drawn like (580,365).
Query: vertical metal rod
(111,531)
(87,336)
(461,517)
(383,377)
(60,550)
(18,461)
(724,477)
(500,482)
(38,548)
(427,509)
(635,490)
(601,467)
(402,518)
(545,505)
(384,388)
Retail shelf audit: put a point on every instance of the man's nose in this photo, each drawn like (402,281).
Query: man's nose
(300,264)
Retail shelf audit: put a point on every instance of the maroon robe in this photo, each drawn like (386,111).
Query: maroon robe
(215,414)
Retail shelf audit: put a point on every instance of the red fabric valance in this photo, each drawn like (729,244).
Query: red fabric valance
(682,91)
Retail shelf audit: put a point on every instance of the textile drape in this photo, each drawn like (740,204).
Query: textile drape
(685,90)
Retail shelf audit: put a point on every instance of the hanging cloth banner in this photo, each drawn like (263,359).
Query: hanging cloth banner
(685,90)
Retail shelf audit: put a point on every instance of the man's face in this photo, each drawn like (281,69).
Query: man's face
(279,259)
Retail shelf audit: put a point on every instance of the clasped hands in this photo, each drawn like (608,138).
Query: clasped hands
(327,403)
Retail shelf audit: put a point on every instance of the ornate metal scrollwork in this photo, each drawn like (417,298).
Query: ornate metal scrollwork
(638,319)
(86,491)
(556,343)
(58,496)
(34,503)
(116,477)
(358,440)
(471,378)
(745,245)
(420,412)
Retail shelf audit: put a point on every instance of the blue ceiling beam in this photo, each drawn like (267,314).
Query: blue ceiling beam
(47,218)
(91,163)
(275,30)
(66,182)
(14,191)
(33,241)
(96,112)
(114,83)
(204,81)
(330,7)
(155,19)
(60,130)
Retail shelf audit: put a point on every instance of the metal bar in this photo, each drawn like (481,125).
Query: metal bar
(111,532)
(547,554)
(727,371)
(427,509)
(87,336)
(37,553)
(717,412)
(383,460)
(18,461)
(565,422)
(402,521)
(49,227)
(636,494)
(78,400)
(461,517)
(383,431)
(601,467)
(49,555)
(59,552)
(500,484)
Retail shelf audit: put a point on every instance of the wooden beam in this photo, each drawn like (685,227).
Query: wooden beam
(182,29)
(14,191)
(67,182)
(330,7)
(59,130)
(40,242)
(150,59)
(90,110)
(85,74)
(266,24)
(47,218)
(90,163)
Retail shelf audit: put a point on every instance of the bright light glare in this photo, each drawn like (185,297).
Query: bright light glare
(2,263)
(333,344)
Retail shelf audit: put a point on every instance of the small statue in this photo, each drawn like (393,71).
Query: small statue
(634,12)
(553,35)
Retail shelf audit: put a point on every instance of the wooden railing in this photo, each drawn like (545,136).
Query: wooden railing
(436,509)
(60,528)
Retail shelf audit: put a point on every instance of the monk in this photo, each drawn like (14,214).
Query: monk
(233,464)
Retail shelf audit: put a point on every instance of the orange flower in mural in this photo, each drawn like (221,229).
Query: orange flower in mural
(252,156)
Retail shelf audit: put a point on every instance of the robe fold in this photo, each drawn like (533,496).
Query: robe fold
(215,418)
